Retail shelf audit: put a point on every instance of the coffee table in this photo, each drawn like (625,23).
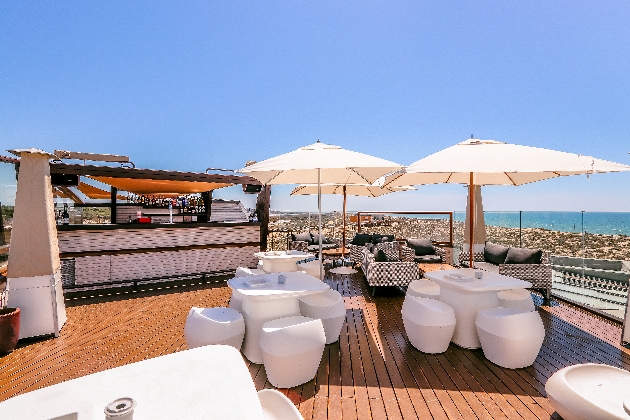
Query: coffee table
(468,297)
(190,384)
(265,300)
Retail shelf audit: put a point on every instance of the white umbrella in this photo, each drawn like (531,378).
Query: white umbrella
(489,162)
(319,164)
(362,190)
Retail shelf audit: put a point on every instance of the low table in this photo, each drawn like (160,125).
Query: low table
(281,261)
(265,300)
(191,384)
(469,297)
(343,271)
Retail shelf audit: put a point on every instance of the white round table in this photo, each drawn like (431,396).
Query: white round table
(281,261)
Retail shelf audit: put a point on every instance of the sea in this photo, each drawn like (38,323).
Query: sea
(606,223)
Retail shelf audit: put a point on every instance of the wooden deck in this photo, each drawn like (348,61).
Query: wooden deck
(372,372)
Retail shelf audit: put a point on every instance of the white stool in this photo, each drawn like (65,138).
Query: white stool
(429,323)
(510,337)
(590,391)
(424,288)
(292,349)
(246,272)
(517,299)
(311,268)
(206,326)
(276,406)
(329,307)
(236,301)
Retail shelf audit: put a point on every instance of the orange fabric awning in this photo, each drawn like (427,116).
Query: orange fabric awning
(96,193)
(154,186)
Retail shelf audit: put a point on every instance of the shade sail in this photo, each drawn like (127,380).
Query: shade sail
(154,186)
(91,191)
(336,165)
(497,163)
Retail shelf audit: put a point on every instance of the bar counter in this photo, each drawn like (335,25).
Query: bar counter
(108,254)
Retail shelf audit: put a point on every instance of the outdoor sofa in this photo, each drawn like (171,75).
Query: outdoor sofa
(308,242)
(424,251)
(386,265)
(365,240)
(532,265)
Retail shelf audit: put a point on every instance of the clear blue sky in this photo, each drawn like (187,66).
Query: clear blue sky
(188,85)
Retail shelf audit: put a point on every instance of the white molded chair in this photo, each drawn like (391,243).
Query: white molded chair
(246,272)
(205,326)
(429,323)
(311,268)
(517,299)
(329,307)
(590,391)
(510,337)
(276,406)
(292,348)
(424,288)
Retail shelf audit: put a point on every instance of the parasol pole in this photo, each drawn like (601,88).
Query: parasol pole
(471,218)
(343,236)
(319,208)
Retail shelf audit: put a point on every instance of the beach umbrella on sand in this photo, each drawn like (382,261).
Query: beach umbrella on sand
(319,164)
(489,162)
(362,190)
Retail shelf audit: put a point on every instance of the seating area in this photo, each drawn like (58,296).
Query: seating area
(308,242)
(522,263)
(382,266)
(371,372)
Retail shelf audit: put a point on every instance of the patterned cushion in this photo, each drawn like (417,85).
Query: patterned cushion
(379,256)
(324,239)
(523,256)
(422,246)
(495,253)
(390,249)
(361,239)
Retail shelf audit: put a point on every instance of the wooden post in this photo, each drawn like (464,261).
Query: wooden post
(2,242)
(343,236)
(262,211)
(113,205)
(471,207)
(207,202)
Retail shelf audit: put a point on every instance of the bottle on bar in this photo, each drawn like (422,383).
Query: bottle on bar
(65,216)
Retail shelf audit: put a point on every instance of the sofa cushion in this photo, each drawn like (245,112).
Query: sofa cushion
(421,246)
(495,253)
(360,239)
(315,247)
(523,256)
(378,238)
(305,237)
(380,256)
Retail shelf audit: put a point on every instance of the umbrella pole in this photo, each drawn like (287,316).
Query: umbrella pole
(343,236)
(319,208)
(471,218)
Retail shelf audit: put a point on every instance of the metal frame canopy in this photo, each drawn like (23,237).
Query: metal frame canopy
(150,181)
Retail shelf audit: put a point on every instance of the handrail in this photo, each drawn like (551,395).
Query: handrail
(449,213)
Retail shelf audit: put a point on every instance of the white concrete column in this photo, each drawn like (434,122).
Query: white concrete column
(34,271)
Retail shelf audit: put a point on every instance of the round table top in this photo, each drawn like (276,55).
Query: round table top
(282,255)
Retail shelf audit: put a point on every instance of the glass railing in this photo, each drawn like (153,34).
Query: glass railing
(588,251)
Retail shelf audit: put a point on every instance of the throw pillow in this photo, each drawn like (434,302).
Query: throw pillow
(324,239)
(495,253)
(379,256)
(523,256)
(306,237)
(360,239)
(422,246)
(377,238)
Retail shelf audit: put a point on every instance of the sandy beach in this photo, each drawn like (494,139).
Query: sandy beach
(613,247)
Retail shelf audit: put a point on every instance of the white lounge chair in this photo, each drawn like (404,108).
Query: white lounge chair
(276,406)
(510,337)
(429,323)
(329,307)
(205,326)
(292,349)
